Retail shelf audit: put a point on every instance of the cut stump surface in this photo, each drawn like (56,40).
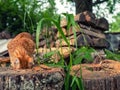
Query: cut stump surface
(38,78)
(103,76)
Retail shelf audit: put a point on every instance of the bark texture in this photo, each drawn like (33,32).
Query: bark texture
(83,5)
(104,76)
(40,79)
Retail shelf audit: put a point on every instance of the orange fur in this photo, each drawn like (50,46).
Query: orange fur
(21,50)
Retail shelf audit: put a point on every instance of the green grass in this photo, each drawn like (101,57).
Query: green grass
(70,81)
(76,57)
(22,15)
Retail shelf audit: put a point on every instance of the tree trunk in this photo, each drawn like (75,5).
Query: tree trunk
(83,5)
(43,78)
(102,76)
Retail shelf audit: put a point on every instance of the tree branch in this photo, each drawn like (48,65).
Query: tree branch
(99,2)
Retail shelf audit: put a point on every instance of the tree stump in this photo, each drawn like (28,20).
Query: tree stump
(103,76)
(42,78)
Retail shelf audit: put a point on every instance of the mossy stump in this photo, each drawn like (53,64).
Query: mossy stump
(31,79)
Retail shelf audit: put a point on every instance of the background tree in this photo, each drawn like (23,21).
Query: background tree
(82,5)
(96,6)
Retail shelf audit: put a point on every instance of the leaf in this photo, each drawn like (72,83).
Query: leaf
(73,80)
(82,53)
(49,54)
(38,31)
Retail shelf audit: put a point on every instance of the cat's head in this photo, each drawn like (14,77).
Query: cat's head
(23,63)
(22,60)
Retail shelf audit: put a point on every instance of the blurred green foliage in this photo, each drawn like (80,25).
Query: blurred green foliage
(22,15)
(112,55)
(115,26)
(80,54)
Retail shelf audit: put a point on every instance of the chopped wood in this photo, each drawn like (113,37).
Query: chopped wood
(64,52)
(68,33)
(46,41)
(80,38)
(91,33)
(61,42)
(87,30)
(81,17)
(102,24)
(87,18)
(84,40)
(90,28)
(97,32)
(99,42)
(4,59)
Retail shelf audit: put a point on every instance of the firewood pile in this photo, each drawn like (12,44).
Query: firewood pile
(90,33)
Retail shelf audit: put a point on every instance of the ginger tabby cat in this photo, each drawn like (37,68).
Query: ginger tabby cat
(21,50)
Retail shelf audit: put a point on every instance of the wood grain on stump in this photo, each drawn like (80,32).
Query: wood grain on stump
(103,76)
(42,78)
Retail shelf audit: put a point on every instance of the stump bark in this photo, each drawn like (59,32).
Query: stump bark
(31,79)
(103,76)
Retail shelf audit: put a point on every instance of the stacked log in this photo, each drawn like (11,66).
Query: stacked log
(89,33)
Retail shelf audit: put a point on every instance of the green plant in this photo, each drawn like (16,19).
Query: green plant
(115,26)
(112,55)
(70,81)
(22,15)
(83,53)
